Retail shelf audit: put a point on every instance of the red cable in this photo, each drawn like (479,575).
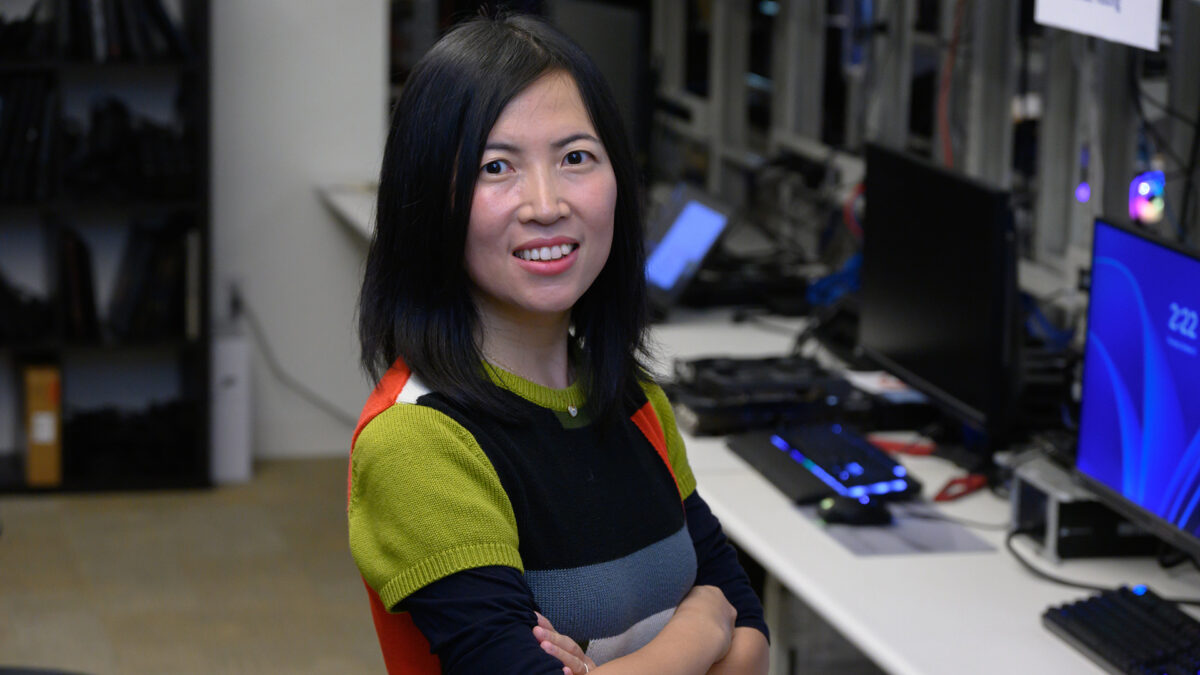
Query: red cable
(848,212)
(944,86)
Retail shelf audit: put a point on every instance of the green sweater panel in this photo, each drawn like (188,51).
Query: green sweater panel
(425,503)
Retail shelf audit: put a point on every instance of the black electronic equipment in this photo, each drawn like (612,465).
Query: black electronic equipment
(682,232)
(716,396)
(1129,630)
(810,462)
(864,510)
(1139,427)
(938,305)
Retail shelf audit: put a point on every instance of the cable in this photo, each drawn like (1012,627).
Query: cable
(1171,112)
(1045,575)
(1160,143)
(287,380)
(1068,582)
(765,324)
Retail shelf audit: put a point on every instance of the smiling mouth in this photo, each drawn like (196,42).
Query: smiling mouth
(546,253)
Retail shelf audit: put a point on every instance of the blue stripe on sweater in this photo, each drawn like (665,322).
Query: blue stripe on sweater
(606,599)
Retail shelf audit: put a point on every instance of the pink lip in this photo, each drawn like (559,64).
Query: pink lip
(538,243)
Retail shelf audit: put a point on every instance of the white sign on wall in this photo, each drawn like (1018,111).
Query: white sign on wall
(1131,22)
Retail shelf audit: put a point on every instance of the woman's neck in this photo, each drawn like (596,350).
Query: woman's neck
(533,349)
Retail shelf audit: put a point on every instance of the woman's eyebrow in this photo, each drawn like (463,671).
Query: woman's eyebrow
(575,137)
(503,147)
(562,142)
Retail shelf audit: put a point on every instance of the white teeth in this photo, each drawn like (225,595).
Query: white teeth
(546,252)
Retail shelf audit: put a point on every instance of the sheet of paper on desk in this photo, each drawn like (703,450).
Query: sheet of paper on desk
(884,385)
(906,535)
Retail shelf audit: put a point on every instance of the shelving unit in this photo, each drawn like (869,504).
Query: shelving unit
(104,242)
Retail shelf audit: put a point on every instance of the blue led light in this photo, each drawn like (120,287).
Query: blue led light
(864,500)
(855,469)
(899,485)
(899,471)
(857,491)
(817,471)
(837,428)
(845,476)
(881,488)
(1139,590)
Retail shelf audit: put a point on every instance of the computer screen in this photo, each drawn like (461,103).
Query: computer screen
(1139,431)
(683,233)
(938,300)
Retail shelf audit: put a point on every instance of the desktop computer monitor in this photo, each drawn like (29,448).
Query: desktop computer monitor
(938,300)
(1139,427)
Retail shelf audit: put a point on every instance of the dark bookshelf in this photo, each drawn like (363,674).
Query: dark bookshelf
(106,195)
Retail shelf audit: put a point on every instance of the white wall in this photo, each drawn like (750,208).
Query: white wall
(299,91)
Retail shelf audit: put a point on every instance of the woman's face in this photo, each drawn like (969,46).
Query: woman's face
(541,219)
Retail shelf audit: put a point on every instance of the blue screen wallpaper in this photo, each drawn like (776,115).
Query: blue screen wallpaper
(685,245)
(1140,422)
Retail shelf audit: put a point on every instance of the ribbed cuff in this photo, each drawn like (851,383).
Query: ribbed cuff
(445,563)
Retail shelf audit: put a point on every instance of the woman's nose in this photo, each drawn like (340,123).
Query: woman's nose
(543,201)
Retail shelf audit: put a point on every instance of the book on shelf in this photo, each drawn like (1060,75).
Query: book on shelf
(102,31)
(77,287)
(151,292)
(27,110)
(43,425)
(26,38)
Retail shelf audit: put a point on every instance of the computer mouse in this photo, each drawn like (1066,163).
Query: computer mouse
(853,511)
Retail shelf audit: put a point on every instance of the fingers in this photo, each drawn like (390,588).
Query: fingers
(572,664)
(562,648)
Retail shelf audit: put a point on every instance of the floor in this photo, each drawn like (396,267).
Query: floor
(254,578)
(248,579)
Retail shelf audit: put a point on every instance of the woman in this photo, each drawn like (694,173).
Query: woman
(515,456)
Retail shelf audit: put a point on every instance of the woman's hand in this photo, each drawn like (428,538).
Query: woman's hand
(710,615)
(563,648)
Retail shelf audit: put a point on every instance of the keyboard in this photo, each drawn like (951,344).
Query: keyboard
(1129,630)
(812,461)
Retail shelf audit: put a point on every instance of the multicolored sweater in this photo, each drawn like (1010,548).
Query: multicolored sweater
(593,520)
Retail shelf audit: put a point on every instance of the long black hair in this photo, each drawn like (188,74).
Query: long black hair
(415,301)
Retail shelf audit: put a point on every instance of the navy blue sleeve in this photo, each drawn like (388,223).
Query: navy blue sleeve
(717,564)
(481,621)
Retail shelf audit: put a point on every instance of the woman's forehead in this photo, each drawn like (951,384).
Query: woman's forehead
(549,106)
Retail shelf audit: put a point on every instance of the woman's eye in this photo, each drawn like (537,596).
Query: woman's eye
(576,157)
(495,166)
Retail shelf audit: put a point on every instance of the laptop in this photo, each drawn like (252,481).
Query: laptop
(682,233)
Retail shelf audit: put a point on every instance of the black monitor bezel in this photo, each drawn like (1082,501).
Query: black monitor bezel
(998,420)
(1134,512)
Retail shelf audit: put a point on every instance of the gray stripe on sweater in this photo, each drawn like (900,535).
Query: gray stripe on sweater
(606,599)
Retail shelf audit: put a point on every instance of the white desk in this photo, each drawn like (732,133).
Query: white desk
(912,614)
